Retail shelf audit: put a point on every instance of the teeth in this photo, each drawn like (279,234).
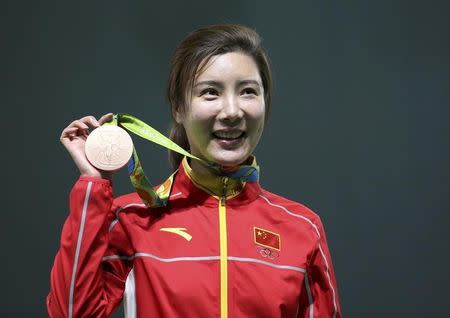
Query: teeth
(228,134)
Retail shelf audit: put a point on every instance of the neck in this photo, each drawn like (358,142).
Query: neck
(207,179)
(202,168)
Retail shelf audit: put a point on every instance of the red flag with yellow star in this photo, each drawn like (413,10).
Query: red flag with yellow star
(267,238)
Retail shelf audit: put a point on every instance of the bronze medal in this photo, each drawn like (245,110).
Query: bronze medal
(109,148)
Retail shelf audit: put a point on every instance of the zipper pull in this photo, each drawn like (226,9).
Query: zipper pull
(223,198)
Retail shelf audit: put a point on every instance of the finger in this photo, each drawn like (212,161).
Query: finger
(105,118)
(79,123)
(69,131)
(72,132)
(68,134)
(91,121)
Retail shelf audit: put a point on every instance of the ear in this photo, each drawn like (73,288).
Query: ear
(178,115)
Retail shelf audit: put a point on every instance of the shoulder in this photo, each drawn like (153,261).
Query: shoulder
(292,211)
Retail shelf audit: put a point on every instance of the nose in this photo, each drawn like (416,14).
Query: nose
(231,111)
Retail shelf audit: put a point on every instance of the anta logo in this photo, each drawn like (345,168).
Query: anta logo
(181,231)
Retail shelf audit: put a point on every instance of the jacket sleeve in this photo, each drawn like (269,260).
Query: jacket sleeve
(81,284)
(320,281)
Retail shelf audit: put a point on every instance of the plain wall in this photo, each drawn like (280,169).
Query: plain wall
(358,132)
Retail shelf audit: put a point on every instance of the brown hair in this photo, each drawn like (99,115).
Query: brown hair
(193,53)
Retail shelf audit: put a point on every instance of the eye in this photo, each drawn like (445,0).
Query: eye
(249,91)
(209,92)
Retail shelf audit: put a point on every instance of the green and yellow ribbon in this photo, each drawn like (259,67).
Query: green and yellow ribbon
(140,181)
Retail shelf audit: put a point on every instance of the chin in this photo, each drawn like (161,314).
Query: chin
(229,160)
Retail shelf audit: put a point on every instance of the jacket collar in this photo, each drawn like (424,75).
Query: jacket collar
(206,189)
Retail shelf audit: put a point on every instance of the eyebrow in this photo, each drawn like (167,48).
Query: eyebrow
(245,82)
(219,84)
(211,83)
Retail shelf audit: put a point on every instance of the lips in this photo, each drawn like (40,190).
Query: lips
(228,134)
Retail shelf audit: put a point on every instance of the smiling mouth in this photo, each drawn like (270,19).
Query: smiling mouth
(228,135)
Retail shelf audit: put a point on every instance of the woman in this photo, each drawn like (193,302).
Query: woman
(221,246)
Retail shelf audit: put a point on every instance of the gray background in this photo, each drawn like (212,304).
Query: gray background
(359,130)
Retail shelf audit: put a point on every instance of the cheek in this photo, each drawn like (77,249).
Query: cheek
(259,132)
(257,114)
(261,127)
(202,111)
(198,124)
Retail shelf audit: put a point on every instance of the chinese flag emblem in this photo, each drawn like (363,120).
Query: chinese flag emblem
(267,238)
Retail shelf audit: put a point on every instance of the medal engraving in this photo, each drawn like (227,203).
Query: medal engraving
(109,148)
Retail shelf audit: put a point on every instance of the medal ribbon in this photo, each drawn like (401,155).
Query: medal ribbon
(139,180)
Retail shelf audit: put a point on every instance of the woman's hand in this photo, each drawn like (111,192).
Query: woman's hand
(74,136)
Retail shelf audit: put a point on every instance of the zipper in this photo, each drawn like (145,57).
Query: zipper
(223,251)
(223,198)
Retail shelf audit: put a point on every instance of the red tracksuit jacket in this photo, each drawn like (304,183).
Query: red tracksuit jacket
(249,253)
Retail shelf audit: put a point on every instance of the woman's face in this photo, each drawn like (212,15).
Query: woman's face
(225,117)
